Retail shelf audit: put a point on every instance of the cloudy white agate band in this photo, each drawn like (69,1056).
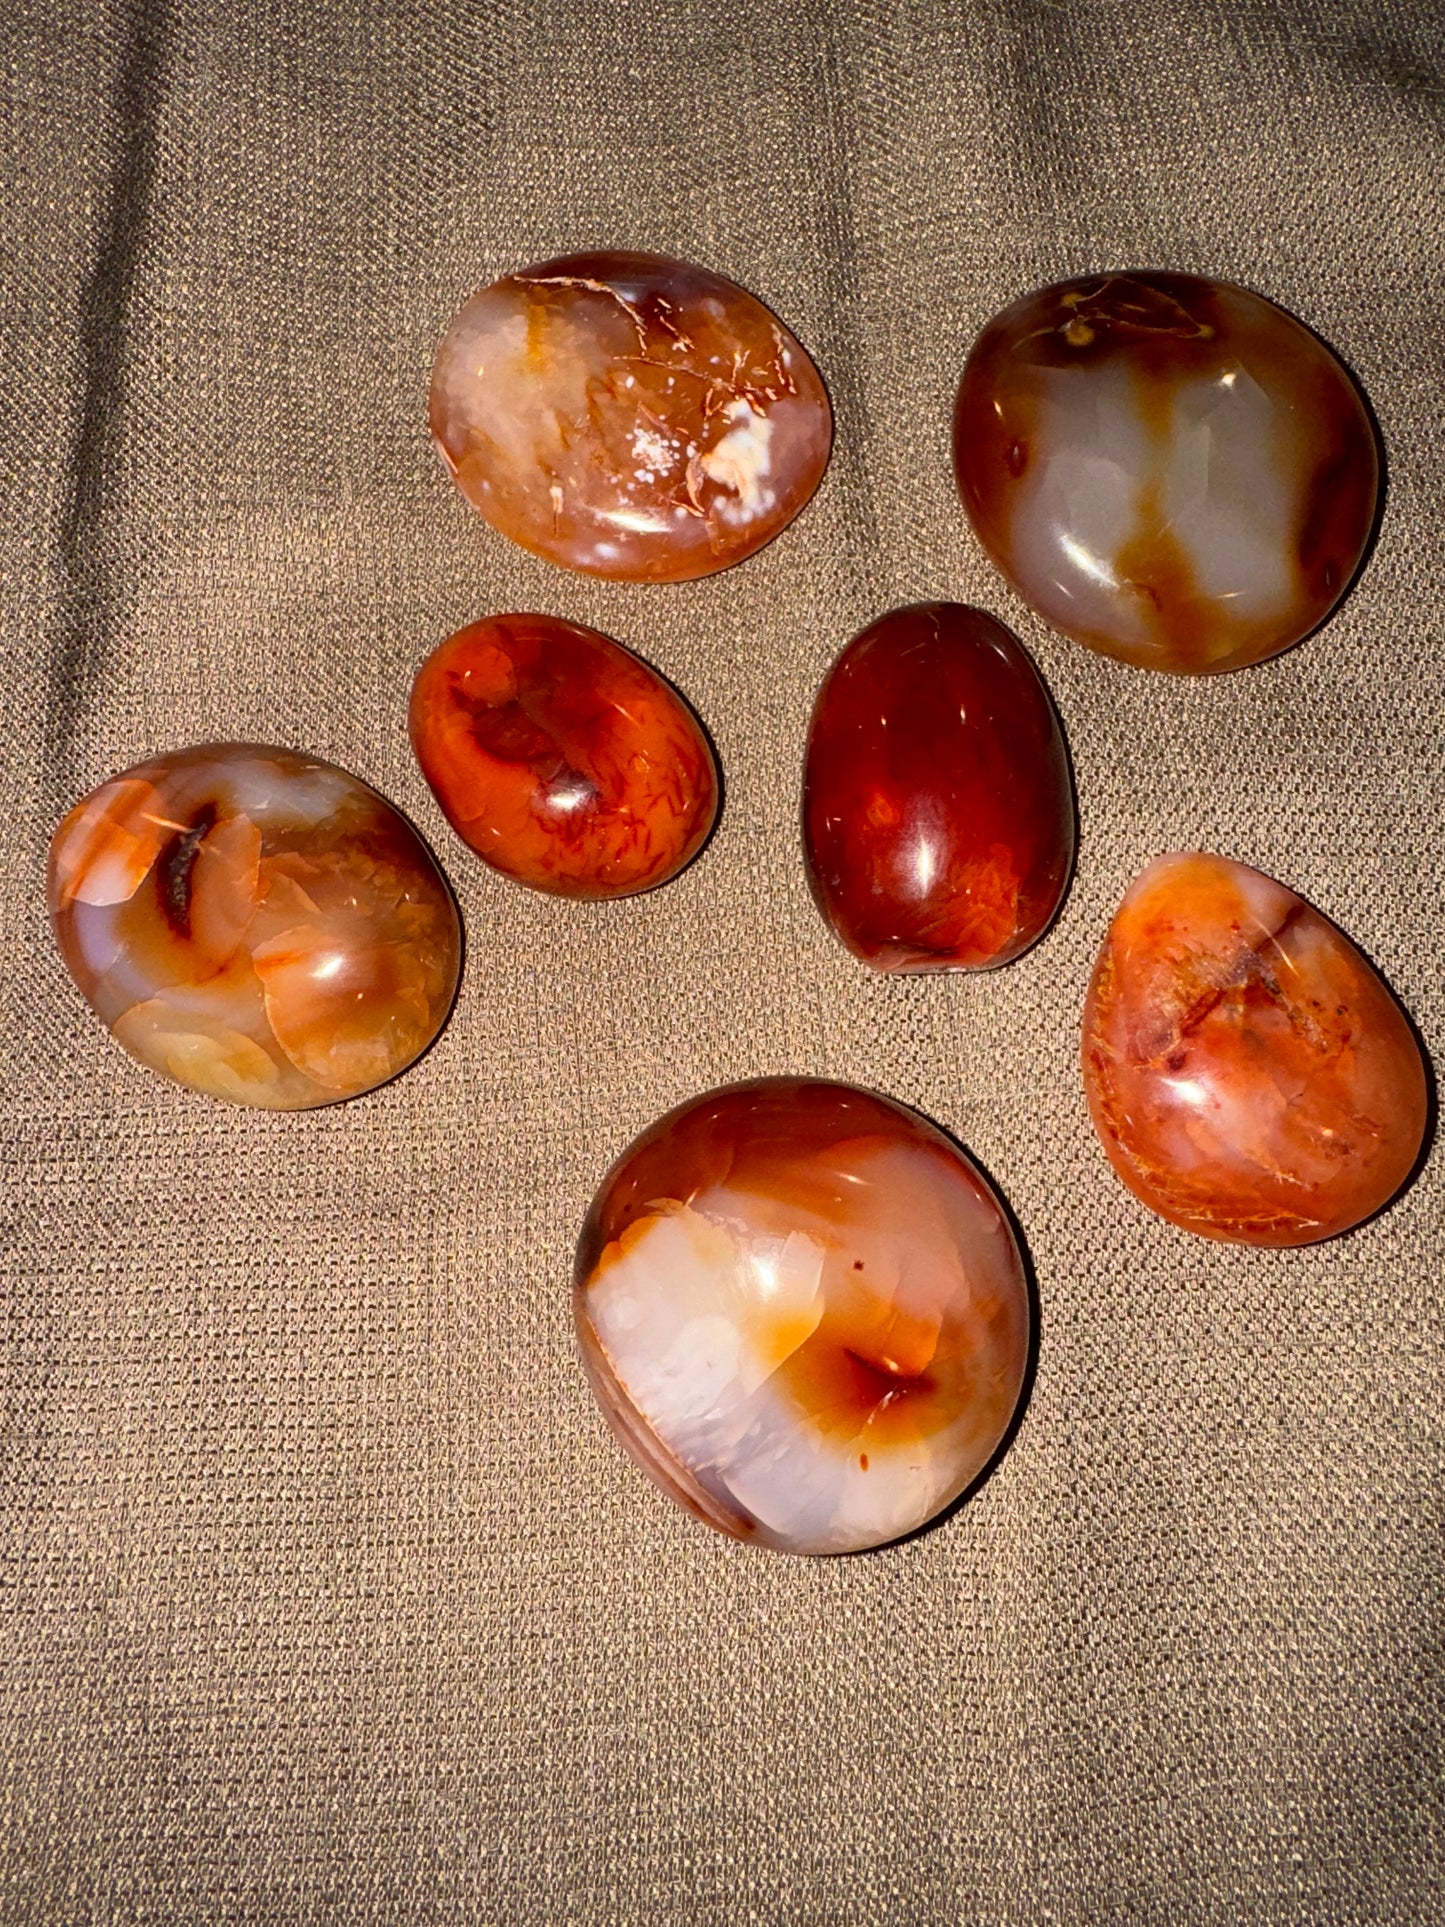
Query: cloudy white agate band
(820,1380)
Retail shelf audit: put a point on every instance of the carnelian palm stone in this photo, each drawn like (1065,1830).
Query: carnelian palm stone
(255,924)
(803,1312)
(1171,470)
(938,815)
(1250,1076)
(629,416)
(561,758)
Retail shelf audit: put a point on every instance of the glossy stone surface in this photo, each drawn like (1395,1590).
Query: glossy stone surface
(255,924)
(1248,1073)
(938,817)
(629,416)
(1171,470)
(562,758)
(803,1312)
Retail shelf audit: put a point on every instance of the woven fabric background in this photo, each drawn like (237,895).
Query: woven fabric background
(325,1594)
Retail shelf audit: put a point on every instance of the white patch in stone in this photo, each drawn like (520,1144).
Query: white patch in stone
(513,415)
(1227,497)
(302,797)
(740,461)
(1078,498)
(652,450)
(702,1304)
(101,949)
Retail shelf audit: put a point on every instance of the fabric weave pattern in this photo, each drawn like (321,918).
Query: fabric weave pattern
(326,1595)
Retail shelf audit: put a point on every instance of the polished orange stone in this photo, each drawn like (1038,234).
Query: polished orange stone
(561,758)
(803,1312)
(255,924)
(629,416)
(1249,1075)
(1171,470)
(938,815)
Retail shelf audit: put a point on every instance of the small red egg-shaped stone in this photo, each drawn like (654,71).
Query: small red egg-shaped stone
(561,758)
(628,415)
(803,1312)
(1171,470)
(1249,1075)
(938,815)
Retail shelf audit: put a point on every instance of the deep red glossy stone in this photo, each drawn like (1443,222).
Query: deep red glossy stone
(1249,1074)
(938,815)
(561,758)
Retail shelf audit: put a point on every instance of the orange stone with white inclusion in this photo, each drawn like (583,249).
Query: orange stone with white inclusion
(629,416)
(1249,1075)
(255,924)
(561,758)
(803,1312)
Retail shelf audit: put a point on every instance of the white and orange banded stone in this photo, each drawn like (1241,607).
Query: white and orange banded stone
(255,924)
(629,416)
(804,1314)
(1171,470)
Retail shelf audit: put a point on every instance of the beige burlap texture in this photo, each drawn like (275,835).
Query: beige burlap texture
(326,1596)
